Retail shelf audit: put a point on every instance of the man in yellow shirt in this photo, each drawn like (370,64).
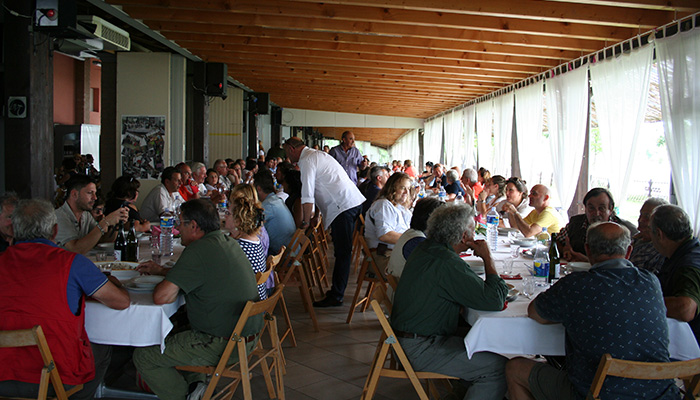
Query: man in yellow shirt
(543,216)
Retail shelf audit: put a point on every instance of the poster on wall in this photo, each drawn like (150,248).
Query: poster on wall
(143,139)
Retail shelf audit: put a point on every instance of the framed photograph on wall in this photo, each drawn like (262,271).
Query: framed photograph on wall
(143,145)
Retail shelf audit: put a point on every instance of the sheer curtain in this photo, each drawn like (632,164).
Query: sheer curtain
(484,127)
(454,138)
(432,140)
(503,134)
(679,84)
(567,107)
(532,145)
(406,148)
(620,91)
(469,156)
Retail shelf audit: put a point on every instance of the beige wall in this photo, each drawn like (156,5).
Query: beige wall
(226,126)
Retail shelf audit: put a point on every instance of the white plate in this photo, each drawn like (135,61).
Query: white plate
(505,231)
(578,266)
(119,265)
(528,242)
(130,286)
(125,275)
(147,281)
(105,246)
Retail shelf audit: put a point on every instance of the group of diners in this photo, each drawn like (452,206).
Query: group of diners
(639,276)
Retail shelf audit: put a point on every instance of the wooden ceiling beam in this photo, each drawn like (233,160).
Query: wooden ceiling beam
(317,16)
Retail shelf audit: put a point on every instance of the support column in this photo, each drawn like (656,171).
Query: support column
(108,119)
(200,116)
(29,74)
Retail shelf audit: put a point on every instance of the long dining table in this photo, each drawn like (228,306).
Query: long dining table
(512,332)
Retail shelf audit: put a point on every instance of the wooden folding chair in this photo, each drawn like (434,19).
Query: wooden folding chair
(271,263)
(357,255)
(389,342)
(49,373)
(689,371)
(291,272)
(320,257)
(240,371)
(368,265)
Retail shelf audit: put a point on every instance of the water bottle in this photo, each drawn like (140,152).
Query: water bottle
(459,198)
(167,221)
(543,238)
(442,194)
(492,229)
(541,265)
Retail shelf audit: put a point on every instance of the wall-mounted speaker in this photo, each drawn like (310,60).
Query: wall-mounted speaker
(216,79)
(259,103)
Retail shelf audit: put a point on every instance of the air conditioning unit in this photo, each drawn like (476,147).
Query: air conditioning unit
(114,38)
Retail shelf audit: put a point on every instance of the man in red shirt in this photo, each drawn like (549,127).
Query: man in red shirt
(188,188)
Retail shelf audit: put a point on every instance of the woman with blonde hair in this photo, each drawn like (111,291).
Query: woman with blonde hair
(245,221)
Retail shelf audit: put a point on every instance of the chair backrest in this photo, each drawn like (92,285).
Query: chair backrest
(272,261)
(35,337)
(293,256)
(610,366)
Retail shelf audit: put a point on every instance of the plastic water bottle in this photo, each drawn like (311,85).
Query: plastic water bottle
(459,198)
(492,229)
(167,221)
(541,265)
(543,238)
(442,194)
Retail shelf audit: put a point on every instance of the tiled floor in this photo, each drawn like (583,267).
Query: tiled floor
(331,364)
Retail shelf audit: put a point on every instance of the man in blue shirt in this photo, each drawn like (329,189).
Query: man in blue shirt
(279,222)
(614,308)
(348,155)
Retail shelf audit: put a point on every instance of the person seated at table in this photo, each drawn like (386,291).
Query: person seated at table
(98,209)
(125,192)
(414,236)
(517,196)
(452,188)
(221,169)
(599,207)
(249,192)
(388,217)
(435,285)
(427,174)
(493,194)
(234,173)
(217,280)
(672,236)
(42,284)
(8,202)
(644,255)
(617,309)
(409,169)
(212,181)
(292,186)
(188,187)
(378,175)
(164,196)
(278,220)
(77,229)
(244,221)
(543,216)
(438,180)
(470,185)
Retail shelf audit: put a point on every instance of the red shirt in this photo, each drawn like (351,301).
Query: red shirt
(188,192)
(478,187)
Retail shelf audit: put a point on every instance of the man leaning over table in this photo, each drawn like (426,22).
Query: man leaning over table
(672,236)
(217,280)
(543,216)
(42,284)
(614,308)
(77,229)
(435,284)
(326,186)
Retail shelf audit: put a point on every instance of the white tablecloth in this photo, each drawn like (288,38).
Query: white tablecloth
(143,323)
(512,332)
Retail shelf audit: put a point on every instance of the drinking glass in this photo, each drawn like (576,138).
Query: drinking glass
(514,251)
(106,268)
(529,286)
(101,256)
(156,255)
(508,267)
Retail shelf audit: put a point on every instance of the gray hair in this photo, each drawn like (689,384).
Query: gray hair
(672,221)
(451,175)
(654,202)
(470,174)
(376,171)
(33,219)
(196,166)
(9,198)
(448,223)
(601,242)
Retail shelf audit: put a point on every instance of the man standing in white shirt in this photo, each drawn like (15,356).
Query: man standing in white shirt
(326,185)
(164,196)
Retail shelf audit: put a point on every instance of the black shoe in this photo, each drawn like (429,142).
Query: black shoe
(328,302)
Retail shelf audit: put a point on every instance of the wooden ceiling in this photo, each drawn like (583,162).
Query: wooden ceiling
(409,58)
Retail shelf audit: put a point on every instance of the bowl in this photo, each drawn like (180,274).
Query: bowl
(512,295)
(525,242)
(125,275)
(147,281)
(506,231)
(578,266)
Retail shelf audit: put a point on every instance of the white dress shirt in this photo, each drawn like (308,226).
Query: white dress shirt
(157,201)
(325,184)
(384,217)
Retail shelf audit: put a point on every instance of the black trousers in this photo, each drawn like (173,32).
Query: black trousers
(342,229)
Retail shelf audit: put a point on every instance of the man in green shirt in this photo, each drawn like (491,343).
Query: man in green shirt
(217,280)
(436,283)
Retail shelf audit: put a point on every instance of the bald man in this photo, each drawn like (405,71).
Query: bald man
(543,216)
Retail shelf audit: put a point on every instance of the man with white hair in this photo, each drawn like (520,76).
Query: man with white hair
(470,185)
(222,169)
(435,285)
(8,201)
(452,188)
(543,216)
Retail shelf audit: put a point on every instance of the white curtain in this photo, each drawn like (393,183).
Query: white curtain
(454,138)
(567,107)
(406,148)
(533,149)
(679,84)
(484,128)
(90,142)
(432,140)
(469,160)
(620,91)
(503,134)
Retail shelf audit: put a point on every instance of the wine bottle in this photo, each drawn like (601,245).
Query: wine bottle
(554,262)
(120,243)
(132,245)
